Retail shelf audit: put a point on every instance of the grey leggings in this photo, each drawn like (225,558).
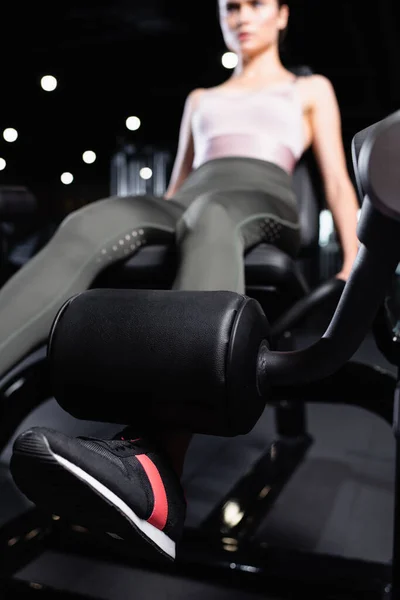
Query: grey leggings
(224,208)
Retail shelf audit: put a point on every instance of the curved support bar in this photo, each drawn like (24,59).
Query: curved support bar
(328,290)
(377,260)
(364,292)
(355,384)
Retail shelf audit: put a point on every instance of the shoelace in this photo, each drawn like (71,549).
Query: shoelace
(124,448)
(128,442)
(128,437)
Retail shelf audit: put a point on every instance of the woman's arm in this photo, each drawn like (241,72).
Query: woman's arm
(329,152)
(185,154)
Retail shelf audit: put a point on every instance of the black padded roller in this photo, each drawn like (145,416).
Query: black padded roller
(160,359)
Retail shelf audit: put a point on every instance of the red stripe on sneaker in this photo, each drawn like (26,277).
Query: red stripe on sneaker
(158,517)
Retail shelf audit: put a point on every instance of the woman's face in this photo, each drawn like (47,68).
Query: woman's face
(251,26)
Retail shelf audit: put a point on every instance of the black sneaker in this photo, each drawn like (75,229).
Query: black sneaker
(125,486)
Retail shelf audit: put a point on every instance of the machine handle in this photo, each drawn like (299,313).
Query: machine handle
(371,276)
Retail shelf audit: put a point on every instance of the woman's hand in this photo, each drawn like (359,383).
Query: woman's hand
(343,274)
(347,266)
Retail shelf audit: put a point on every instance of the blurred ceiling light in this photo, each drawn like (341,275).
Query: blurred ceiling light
(133,123)
(89,157)
(67,178)
(10,134)
(229,60)
(48,83)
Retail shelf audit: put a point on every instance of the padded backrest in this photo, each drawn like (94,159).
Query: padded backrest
(356,145)
(308,202)
(307,191)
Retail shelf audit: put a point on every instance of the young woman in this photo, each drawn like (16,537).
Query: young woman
(231,188)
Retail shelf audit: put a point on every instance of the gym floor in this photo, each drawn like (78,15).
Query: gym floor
(339,501)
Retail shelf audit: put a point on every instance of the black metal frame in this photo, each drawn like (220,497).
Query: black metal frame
(270,570)
(220,551)
(217,550)
(22,390)
(394,591)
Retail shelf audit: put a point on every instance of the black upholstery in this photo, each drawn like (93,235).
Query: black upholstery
(181,351)
(309,205)
(17,203)
(155,266)
(356,145)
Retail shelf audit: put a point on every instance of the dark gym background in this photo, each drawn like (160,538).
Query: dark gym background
(142,57)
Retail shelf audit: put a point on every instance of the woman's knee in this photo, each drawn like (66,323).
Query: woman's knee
(204,213)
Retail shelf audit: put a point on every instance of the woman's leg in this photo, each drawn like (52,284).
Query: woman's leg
(213,235)
(87,241)
(219,227)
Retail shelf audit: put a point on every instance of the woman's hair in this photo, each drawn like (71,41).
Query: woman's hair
(282,34)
